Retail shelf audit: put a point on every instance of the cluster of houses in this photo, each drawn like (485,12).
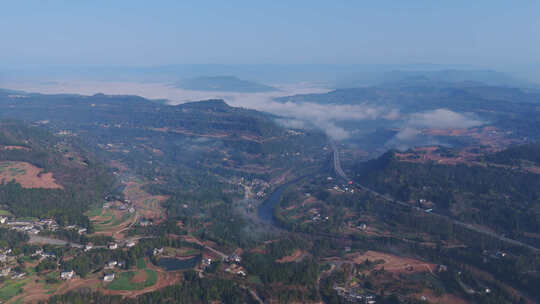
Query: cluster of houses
(234,259)
(33,227)
(316,215)
(6,258)
(145,222)
(79,230)
(43,255)
(205,263)
(122,205)
(112,264)
(236,269)
(4,255)
(353,296)
(342,189)
(110,246)
(259,186)
(494,254)
(6,270)
(108,277)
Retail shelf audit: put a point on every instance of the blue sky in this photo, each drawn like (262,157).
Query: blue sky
(485,33)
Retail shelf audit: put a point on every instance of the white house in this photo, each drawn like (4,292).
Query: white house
(67,275)
(112,246)
(157,251)
(88,246)
(111,264)
(108,277)
(5,271)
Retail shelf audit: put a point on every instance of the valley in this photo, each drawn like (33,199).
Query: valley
(203,194)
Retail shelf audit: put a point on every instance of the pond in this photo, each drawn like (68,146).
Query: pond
(172,264)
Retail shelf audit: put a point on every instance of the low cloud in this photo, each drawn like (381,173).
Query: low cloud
(325,117)
(410,134)
(407,134)
(443,119)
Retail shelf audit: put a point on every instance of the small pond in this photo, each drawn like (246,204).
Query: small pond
(172,264)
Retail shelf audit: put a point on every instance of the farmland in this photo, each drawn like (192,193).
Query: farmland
(134,280)
(28,175)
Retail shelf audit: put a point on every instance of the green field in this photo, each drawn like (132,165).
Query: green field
(95,210)
(254,279)
(11,289)
(119,221)
(124,281)
(4,212)
(141,264)
(151,278)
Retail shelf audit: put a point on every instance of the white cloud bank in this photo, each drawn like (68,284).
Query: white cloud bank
(434,119)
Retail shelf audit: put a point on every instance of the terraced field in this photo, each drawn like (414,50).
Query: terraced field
(11,289)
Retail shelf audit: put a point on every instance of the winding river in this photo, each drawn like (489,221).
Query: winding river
(266,209)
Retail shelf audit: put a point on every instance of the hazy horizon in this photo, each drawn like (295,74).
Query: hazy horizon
(485,34)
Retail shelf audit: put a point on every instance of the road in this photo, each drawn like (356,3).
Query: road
(337,161)
(37,239)
(221,254)
(339,171)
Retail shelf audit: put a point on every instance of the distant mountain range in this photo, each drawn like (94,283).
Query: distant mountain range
(223,84)
(329,75)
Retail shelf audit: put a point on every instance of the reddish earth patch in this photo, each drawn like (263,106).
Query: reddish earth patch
(14,148)
(140,277)
(533,169)
(77,283)
(28,175)
(291,258)
(149,206)
(393,263)
(32,292)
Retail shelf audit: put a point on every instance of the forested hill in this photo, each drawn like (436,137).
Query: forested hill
(499,197)
(178,143)
(516,155)
(133,111)
(43,175)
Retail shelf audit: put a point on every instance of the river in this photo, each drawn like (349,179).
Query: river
(266,209)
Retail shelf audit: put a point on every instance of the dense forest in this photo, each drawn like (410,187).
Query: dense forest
(516,155)
(474,194)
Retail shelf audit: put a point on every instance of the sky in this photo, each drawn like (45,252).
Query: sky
(148,33)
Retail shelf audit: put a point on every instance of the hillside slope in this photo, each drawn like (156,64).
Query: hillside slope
(48,176)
